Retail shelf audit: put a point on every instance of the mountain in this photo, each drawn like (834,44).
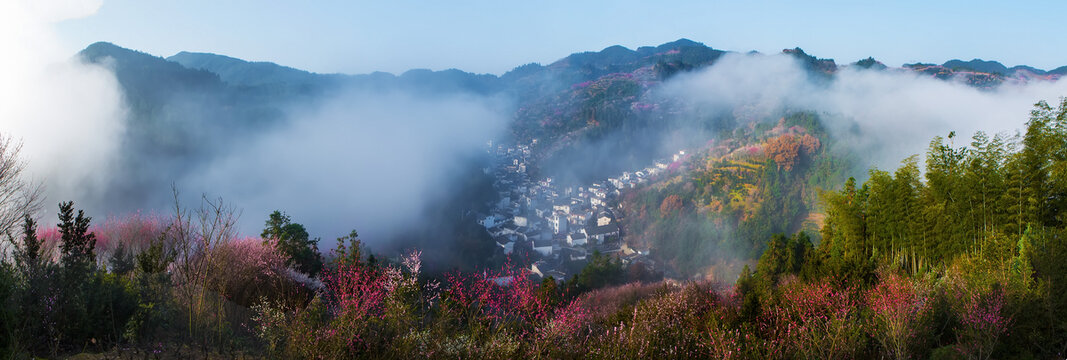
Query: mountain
(978,65)
(1030,69)
(870,63)
(823,66)
(141,75)
(179,118)
(266,75)
(986,74)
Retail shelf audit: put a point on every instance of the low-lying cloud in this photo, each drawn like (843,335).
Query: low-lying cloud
(884,115)
(68,114)
(362,160)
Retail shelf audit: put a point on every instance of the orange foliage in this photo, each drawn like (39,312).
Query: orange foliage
(787,150)
(671,204)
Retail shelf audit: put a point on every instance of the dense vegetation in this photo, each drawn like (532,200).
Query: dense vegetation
(718,206)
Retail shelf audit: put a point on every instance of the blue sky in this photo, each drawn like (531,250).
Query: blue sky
(495,36)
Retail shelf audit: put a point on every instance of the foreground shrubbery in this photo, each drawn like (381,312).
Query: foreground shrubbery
(387,312)
(145,283)
(247,302)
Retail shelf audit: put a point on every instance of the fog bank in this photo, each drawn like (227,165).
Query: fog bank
(361,160)
(68,114)
(883,115)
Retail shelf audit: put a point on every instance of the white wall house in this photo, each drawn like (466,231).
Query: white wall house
(577,239)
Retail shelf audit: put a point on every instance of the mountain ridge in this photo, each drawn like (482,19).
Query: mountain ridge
(668,58)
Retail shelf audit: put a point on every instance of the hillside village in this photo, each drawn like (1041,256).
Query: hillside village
(559,227)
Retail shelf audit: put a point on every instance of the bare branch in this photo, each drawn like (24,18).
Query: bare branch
(18,197)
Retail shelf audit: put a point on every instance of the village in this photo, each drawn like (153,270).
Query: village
(559,227)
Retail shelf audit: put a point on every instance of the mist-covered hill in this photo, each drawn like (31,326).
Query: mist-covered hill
(269,136)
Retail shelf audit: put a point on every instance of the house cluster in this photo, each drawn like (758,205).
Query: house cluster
(561,226)
(630,180)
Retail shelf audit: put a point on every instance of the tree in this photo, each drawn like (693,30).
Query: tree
(27,256)
(671,204)
(602,270)
(783,256)
(351,254)
(292,239)
(1043,160)
(78,245)
(1021,264)
(18,197)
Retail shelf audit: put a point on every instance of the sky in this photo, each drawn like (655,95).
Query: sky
(495,36)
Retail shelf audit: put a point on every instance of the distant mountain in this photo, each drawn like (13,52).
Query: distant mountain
(179,118)
(149,78)
(996,68)
(1019,68)
(990,67)
(667,59)
(824,66)
(244,73)
(870,63)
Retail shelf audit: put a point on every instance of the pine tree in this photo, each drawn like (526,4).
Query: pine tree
(28,254)
(77,245)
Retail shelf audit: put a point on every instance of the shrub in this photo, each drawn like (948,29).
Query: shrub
(255,270)
(818,320)
(981,323)
(664,326)
(900,312)
(127,236)
(347,319)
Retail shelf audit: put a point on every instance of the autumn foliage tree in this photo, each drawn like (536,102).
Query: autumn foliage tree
(671,205)
(789,150)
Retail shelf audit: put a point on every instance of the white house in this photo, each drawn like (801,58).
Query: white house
(558,221)
(600,233)
(543,247)
(577,239)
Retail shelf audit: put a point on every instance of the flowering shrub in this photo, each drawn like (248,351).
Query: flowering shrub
(505,300)
(664,326)
(134,232)
(819,320)
(899,314)
(604,303)
(360,310)
(254,271)
(368,311)
(981,323)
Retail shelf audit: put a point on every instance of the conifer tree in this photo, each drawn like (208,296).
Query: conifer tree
(78,245)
